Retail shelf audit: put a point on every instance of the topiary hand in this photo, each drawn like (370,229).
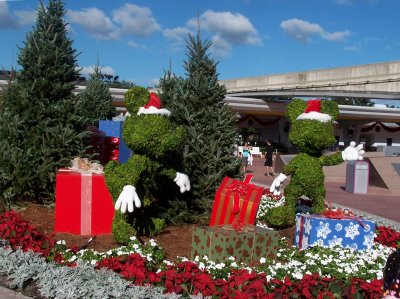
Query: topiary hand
(182,180)
(126,199)
(276,184)
(353,152)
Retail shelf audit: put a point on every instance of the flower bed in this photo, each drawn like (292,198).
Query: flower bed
(311,273)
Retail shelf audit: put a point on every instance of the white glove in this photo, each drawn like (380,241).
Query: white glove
(126,198)
(352,153)
(182,180)
(276,184)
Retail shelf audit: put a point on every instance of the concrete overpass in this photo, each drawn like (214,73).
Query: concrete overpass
(375,81)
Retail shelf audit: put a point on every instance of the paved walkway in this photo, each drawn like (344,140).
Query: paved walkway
(378,201)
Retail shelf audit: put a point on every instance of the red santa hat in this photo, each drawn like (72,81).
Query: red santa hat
(153,106)
(313,111)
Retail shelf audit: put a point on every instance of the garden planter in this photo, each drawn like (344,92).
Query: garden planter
(219,243)
(356,233)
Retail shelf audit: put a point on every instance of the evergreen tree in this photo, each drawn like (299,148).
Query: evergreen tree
(197,103)
(40,128)
(95,101)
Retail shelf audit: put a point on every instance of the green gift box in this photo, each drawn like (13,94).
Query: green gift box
(247,246)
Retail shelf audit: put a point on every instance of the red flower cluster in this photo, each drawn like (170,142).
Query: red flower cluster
(19,233)
(387,236)
(270,194)
(186,278)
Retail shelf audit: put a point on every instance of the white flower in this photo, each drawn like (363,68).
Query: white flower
(93,262)
(202,266)
(61,242)
(220,266)
(263,260)
(133,238)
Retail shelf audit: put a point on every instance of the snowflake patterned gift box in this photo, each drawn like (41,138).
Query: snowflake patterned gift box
(314,229)
(221,242)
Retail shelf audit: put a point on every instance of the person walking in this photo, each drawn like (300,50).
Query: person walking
(269,158)
(246,155)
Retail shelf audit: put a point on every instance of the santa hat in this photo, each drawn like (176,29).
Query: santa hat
(313,111)
(153,106)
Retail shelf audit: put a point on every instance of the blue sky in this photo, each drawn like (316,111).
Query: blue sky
(137,39)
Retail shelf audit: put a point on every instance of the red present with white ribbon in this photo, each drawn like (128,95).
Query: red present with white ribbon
(83,203)
(236,200)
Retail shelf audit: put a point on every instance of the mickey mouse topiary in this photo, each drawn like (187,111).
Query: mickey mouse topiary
(311,132)
(156,145)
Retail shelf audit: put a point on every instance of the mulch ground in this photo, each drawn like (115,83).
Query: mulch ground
(175,240)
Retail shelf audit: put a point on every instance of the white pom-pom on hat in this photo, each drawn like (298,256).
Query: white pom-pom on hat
(313,112)
(153,106)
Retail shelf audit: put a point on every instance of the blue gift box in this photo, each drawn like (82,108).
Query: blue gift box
(314,229)
(113,128)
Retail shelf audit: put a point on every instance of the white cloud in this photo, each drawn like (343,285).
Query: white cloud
(227,30)
(7,20)
(177,35)
(303,31)
(135,45)
(132,44)
(220,47)
(352,48)
(26,17)
(343,2)
(87,70)
(235,28)
(336,36)
(95,22)
(135,20)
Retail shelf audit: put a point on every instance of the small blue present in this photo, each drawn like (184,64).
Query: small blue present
(351,232)
(112,128)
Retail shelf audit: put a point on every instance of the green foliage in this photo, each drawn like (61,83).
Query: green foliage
(135,98)
(41,129)
(95,102)
(153,136)
(331,108)
(353,101)
(157,146)
(196,102)
(295,108)
(121,229)
(311,137)
(280,217)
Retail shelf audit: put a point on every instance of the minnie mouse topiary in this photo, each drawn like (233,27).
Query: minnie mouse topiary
(137,185)
(311,132)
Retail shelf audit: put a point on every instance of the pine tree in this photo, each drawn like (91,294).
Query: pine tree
(197,103)
(96,100)
(40,129)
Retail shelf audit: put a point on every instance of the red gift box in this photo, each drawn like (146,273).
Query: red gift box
(236,200)
(83,204)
